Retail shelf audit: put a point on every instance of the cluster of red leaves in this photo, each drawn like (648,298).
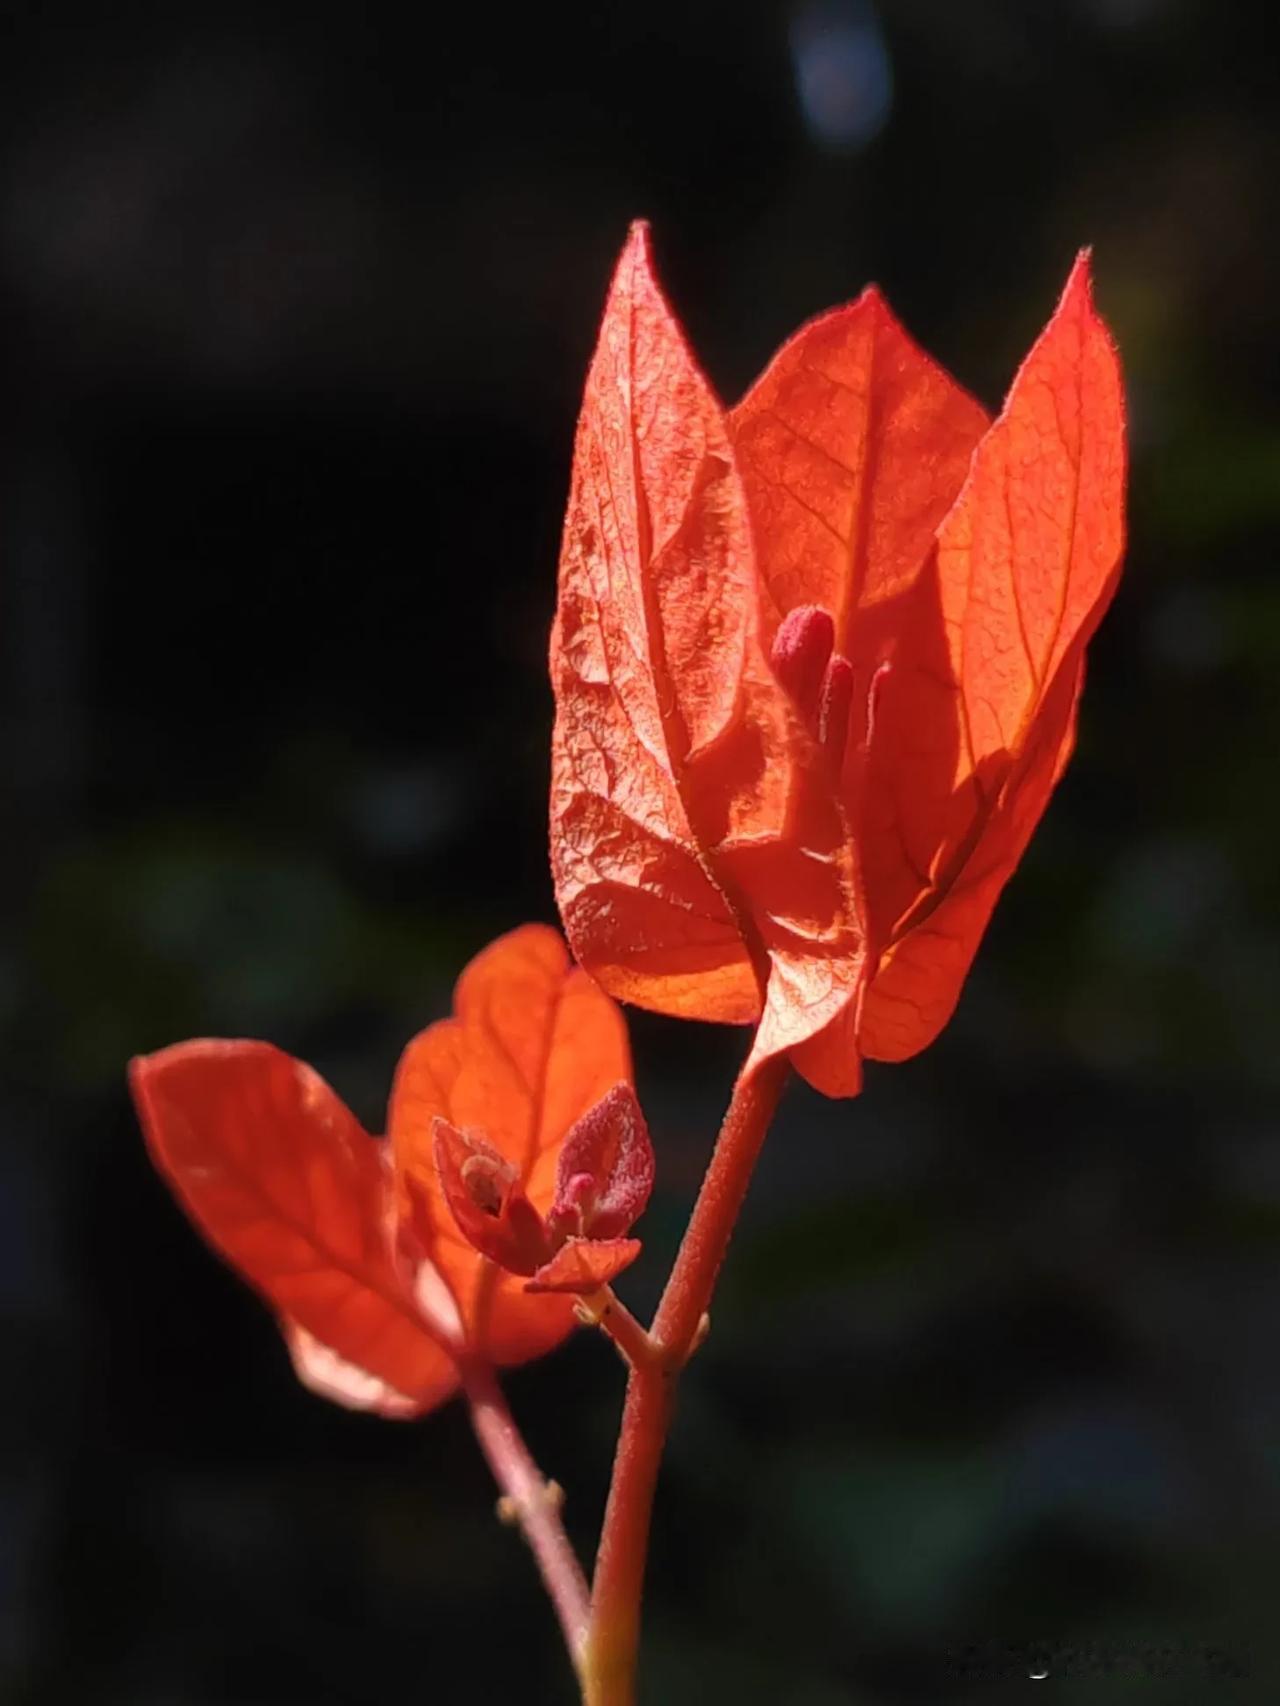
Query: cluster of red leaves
(816,662)
(390,1264)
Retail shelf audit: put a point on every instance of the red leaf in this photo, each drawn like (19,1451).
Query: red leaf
(853,445)
(1027,562)
(702,866)
(605,1172)
(923,587)
(583,1265)
(283,1183)
(325,1373)
(532,1045)
(484,1194)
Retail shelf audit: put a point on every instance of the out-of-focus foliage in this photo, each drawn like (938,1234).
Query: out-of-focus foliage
(298,317)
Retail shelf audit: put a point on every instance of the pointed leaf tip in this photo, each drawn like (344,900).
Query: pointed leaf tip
(637,253)
(871,298)
(1079,285)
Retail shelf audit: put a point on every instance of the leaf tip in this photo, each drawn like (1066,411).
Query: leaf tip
(1078,290)
(637,251)
(871,299)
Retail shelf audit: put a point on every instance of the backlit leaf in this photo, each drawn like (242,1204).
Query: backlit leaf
(532,1045)
(285,1185)
(325,1373)
(853,445)
(1026,564)
(702,865)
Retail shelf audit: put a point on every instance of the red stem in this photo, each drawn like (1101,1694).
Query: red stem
(634,1344)
(612,1646)
(532,1501)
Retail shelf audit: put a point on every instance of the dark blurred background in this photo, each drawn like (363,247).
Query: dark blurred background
(296,316)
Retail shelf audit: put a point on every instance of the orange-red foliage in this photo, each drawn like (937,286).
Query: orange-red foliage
(816,663)
(349,1239)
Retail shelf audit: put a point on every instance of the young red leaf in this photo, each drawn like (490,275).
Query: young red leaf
(283,1183)
(702,865)
(484,1193)
(583,1265)
(800,655)
(532,1045)
(605,1171)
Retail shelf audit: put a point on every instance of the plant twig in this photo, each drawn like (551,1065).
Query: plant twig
(608,1312)
(612,1645)
(531,1501)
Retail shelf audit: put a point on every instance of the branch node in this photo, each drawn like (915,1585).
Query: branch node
(699,1338)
